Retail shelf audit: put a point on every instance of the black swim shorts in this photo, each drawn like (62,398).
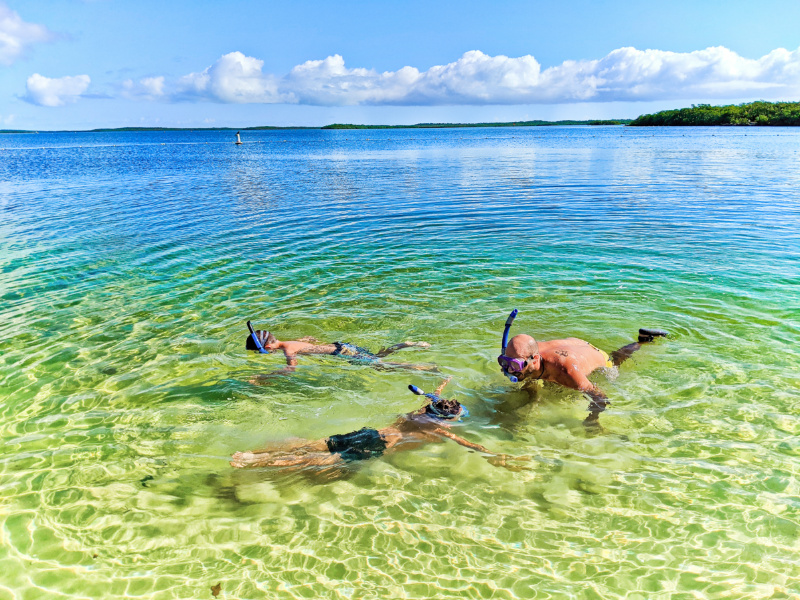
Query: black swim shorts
(358,445)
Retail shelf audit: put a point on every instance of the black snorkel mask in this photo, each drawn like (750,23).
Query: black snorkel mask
(253,335)
(433,411)
(503,359)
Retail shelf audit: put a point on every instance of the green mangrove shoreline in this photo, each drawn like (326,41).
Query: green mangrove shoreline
(751,113)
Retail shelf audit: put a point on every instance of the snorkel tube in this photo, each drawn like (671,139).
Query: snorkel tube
(255,339)
(509,321)
(419,392)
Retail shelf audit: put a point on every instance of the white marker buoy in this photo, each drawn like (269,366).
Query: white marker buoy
(238,139)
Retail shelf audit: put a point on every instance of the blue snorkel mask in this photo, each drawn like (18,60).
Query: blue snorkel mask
(433,411)
(503,360)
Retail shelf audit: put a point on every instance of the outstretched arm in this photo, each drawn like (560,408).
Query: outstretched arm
(291,362)
(442,385)
(459,440)
(498,460)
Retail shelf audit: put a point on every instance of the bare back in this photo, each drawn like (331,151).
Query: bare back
(570,361)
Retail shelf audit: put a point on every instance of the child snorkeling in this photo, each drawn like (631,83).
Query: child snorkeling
(428,424)
(265,342)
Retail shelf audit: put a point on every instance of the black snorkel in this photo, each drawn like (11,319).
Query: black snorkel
(509,321)
(255,339)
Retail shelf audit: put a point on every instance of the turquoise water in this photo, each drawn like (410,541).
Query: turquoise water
(129,263)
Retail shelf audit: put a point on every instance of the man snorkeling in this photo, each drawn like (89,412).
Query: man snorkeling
(265,342)
(428,424)
(568,362)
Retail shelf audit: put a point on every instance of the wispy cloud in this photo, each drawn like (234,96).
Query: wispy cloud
(44,91)
(16,36)
(626,74)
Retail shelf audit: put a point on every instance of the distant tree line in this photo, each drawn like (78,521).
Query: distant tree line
(751,113)
(347,126)
(508,124)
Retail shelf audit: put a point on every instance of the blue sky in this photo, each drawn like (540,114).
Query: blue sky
(73,64)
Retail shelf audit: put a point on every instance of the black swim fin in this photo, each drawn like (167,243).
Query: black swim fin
(648,335)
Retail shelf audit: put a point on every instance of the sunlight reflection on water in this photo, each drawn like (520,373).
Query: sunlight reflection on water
(130,262)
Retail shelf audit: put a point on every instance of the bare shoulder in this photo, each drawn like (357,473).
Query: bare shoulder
(568,346)
(563,343)
(558,350)
(294,347)
(298,347)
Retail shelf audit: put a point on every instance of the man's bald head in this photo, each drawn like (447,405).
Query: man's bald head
(522,346)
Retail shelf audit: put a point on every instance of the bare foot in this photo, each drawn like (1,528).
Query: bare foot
(242,459)
(417,344)
(260,379)
(506,461)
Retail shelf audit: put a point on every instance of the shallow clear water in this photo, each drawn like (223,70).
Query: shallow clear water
(129,263)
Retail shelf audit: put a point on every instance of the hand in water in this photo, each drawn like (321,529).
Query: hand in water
(506,461)
(592,425)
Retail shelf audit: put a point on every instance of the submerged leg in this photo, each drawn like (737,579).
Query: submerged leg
(387,351)
(620,356)
(280,459)
(292,453)
(645,335)
(388,366)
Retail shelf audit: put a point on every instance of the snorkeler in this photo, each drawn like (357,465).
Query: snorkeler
(265,342)
(568,362)
(428,424)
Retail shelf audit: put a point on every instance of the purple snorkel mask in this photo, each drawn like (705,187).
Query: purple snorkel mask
(510,365)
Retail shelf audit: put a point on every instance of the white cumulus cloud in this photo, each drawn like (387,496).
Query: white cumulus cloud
(631,74)
(626,74)
(234,78)
(148,87)
(45,91)
(329,83)
(16,35)
(477,78)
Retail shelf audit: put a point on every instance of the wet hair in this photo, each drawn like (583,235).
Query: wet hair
(444,408)
(265,337)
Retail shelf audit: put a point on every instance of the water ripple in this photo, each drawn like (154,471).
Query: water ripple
(129,263)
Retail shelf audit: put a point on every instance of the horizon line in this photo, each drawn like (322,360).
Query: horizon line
(335,126)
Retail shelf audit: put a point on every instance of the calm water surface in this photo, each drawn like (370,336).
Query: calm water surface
(129,263)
